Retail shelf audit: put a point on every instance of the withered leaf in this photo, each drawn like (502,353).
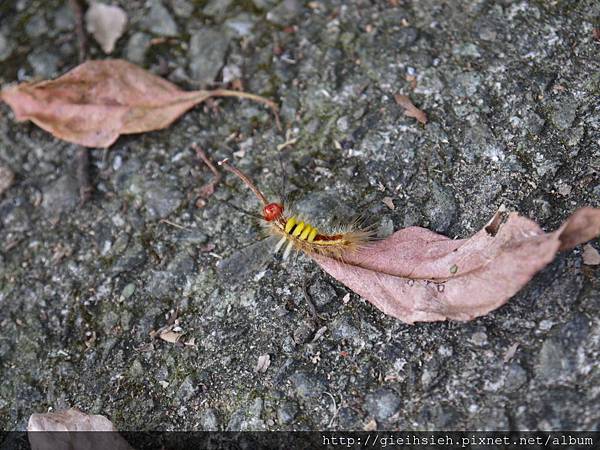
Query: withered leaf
(99,100)
(417,275)
(410,109)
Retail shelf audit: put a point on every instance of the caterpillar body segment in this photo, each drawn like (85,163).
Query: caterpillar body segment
(304,237)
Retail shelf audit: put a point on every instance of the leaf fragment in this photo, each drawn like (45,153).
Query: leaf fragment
(407,275)
(96,102)
(410,109)
(389,202)
(371,425)
(106,23)
(170,336)
(591,257)
(263,363)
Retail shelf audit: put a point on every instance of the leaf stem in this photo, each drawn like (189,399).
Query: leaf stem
(257,98)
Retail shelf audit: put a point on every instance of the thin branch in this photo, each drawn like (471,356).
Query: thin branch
(209,188)
(311,306)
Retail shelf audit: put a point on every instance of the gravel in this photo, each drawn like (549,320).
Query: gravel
(137,46)
(511,95)
(5,48)
(61,196)
(206,54)
(7,178)
(382,404)
(159,20)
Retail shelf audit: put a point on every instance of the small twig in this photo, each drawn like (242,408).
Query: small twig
(242,176)
(209,188)
(79,31)
(287,143)
(173,224)
(82,170)
(311,306)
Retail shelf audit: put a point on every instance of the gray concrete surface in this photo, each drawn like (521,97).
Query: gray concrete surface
(511,89)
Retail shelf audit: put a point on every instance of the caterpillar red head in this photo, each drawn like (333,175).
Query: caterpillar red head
(299,234)
(272,211)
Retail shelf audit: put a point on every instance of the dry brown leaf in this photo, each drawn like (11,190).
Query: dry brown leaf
(591,257)
(106,23)
(417,275)
(42,430)
(410,109)
(99,100)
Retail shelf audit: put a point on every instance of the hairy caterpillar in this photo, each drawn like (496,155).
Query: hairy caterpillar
(299,234)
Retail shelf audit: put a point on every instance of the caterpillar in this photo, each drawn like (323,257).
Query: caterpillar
(299,234)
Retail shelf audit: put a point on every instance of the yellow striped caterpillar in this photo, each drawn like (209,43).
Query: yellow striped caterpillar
(299,234)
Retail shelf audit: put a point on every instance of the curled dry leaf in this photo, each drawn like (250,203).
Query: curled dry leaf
(99,100)
(42,430)
(410,109)
(106,23)
(417,275)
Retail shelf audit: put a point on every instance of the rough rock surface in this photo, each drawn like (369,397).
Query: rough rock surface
(511,91)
